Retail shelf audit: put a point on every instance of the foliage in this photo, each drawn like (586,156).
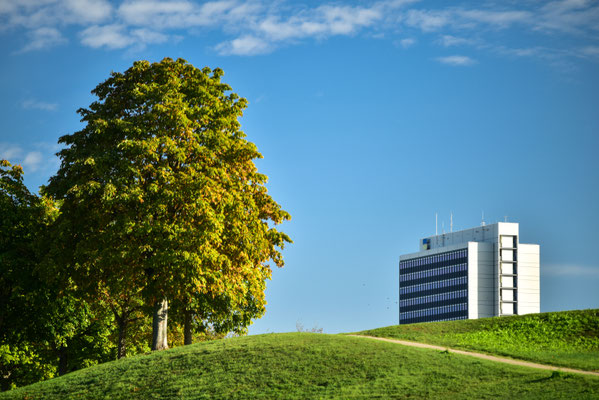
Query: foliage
(307,366)
(176,335)
(567,338)
(41,318)
(21,216)
(157,198)
(161,198)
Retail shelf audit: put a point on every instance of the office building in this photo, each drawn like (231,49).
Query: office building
(475,273)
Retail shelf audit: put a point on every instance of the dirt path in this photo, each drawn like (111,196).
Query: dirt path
(483,356)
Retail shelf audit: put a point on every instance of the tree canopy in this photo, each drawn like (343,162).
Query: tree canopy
(161,200)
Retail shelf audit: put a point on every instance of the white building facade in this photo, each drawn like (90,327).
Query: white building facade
(475,273)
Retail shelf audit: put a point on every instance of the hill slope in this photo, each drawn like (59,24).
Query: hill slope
(567,338)
(303,365)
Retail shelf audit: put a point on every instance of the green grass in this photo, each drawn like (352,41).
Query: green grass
(567,338)
(307,366)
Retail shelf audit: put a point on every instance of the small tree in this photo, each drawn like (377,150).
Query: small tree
(45,328)
(161,198)
(22,218)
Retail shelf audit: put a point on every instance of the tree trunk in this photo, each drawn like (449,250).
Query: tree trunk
(5,385)
(159,325)
(187,328)
(122,345)
(62,360)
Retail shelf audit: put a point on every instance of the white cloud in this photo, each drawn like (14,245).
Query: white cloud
(13,153)
(160,14)
(344,20)
(524,52)
(87,11)
(110,36)
(266,33)
(408,42)
(43,39)
(34,14)
(147,36)
(41,156)
(321,22)
(10,152)
(39,105)
(32,161)
(497,18)
(244,46)
(261,26)
(449,40)
(185,14)
(247,11)
(591,51)
(275,29)
(456,60)
(569,270)
(427,21)
(568,16)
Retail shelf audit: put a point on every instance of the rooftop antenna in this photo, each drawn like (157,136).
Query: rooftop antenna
(505,218)
(443,226)
(436,232)
(482,221)
(451,221)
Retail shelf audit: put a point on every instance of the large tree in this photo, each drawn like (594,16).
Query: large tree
(161,199)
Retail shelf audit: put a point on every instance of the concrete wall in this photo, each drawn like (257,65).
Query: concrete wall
(482,291)
(432,252)
(487,233)
(473,283)
(529,293)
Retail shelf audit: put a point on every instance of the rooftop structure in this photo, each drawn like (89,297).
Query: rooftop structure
(475,273)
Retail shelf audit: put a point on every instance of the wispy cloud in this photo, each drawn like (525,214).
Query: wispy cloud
(44,20)
(244,46)
(427,20)
(43,39)
(40,156)
(568,16)
(570,270)
(118,36)
(407,42)
(32,161)
(456,61)
(10,152)
(591,51)
(324,21)
(111,36)
(39,13)
(501,19)
(87,11)
(449,40)
(253,27)
(162,14)
(39,105)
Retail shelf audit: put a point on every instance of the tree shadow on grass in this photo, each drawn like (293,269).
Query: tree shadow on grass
(554,375)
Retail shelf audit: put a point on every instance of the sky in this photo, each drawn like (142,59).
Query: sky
(371,116)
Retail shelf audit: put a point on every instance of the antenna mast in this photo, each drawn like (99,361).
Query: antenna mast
(482,221)
(451,221)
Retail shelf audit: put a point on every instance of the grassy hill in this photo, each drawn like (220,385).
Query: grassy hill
(306,366)
(567,338)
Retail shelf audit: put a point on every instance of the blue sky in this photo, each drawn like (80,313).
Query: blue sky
(371,116)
